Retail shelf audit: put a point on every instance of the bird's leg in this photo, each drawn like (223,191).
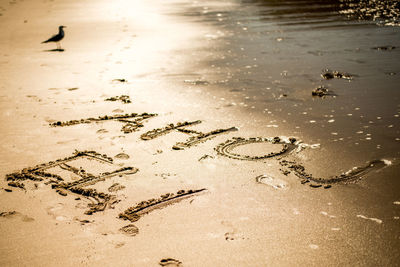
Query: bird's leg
(58,46)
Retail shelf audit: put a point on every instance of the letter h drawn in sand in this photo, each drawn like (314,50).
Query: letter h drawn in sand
(195,138)
(132,122)
(67,175)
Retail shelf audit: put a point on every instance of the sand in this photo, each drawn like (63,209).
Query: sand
(117,155)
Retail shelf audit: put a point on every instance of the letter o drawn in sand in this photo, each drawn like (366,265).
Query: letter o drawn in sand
(272,181)
(226,149)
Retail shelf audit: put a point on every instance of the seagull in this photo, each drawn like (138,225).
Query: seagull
(57,38)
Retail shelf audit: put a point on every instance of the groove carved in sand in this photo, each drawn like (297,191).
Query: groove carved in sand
(134,213)
(196,138)
(170,262)
(352,175)
(123,98)
(132,122)
(226,148)
(99,200)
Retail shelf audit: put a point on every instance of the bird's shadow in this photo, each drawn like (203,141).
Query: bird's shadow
(54,50)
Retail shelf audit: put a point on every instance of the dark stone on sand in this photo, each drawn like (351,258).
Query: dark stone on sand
(330,74)
(320,91)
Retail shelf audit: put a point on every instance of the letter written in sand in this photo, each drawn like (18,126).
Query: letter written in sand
(73,175)
(132,122)
(195,136)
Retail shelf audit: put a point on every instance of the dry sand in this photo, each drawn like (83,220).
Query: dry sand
(237,221)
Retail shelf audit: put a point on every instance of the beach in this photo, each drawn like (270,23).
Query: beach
(187,133)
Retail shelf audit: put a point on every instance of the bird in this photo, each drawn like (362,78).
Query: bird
(57,38)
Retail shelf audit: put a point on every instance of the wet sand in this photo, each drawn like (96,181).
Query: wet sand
(186,133)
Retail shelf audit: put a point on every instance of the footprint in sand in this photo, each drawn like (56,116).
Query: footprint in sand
(120,244)
(15,214)
(273,182)
(55,212)
(233,234)
(130,230)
